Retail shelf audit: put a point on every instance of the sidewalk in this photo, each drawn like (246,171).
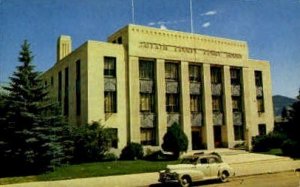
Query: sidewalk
(243,162)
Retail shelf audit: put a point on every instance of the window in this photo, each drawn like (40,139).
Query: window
(78,87)
(217,104)
(146,102)
(195,103)
(172,102)
(113,137)
(260,104)
(171,71)
(258,78)
(146,69)
(238,132)
(110,102)
(66,100)
(59,94)
(52,81)
(236,104)
(235,76)
(195,73)
(148,136)
(215,75)
(120,40)
(262,130)
(109,66)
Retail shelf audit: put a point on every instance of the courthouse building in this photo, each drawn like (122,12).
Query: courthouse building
(143,79)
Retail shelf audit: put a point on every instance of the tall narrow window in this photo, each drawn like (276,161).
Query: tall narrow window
(109,67)
(258,78)
(172,103)
(148,136)
(52,81)
(260,104)
(195,73)
(195,103)
(110,105)
(236,104)
(146,69)
(171,70)
(59,94)
(66,100)
(262,130)
(217,104)
(146,102)
(235,76)
(216,75)
(78,87)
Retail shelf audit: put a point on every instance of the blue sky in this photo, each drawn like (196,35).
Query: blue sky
(271,28)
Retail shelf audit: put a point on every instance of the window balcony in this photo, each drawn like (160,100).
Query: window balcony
(216,89)
(259,91)
(172,87)
(237,118)
(217,118)
(146,86)
(196,119)
(147,120)
(110,84)
(195,88)
(173,118)
(236,90)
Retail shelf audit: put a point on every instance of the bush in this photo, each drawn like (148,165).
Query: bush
(290,148)
(260,143)
(175,140)
(132,151)
(110,157)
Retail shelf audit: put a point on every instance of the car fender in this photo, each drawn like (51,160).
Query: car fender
(194,175)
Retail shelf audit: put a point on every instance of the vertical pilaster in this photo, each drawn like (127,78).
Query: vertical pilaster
(250,110)
(134,99)
(161,100)
(185,102)
(208,132)
(228,134)
(268,103)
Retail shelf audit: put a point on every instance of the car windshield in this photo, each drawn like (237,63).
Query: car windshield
(189,160)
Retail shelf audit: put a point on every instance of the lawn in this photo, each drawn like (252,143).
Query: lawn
(93,170)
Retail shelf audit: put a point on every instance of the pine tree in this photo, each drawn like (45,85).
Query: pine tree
(35,134)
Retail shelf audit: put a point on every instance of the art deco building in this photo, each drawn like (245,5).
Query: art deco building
(145,79)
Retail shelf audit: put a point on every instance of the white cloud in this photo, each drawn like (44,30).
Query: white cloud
(206,24)
(151,23)
(163,27)
(210,13)
(164,23)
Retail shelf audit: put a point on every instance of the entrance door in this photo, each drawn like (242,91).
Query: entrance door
(218,136)
(196,138)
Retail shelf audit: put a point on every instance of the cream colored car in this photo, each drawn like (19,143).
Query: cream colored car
(194,168)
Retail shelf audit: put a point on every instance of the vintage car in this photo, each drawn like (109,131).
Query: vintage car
(197,167)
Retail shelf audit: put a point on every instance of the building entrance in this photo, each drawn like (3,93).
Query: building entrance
(218,136)
(196,138)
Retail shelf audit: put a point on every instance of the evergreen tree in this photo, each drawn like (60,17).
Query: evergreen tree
(175,140)
(35,136)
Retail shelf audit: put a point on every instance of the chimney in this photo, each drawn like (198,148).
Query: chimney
(64,46)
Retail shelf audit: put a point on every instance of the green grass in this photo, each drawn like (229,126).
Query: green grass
(93,170)
(277,152)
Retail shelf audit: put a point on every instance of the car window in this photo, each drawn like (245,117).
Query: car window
(212,160)
(203,161)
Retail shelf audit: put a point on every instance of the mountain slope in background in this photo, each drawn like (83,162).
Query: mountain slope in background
(279,102)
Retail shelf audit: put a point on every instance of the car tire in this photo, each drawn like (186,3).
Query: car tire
(185,181)
(224,176)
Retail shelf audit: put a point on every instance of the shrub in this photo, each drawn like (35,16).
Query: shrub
(132,151)
(290,148)
(260,143)
(175,140)
(110,157)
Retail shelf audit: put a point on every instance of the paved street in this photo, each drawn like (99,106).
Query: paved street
(246,165)
(285,179)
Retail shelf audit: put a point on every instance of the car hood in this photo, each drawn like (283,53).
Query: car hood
(180,166)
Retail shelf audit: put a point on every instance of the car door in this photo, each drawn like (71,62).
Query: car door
(214,166)
(204,168)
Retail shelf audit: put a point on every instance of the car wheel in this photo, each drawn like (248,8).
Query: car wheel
(185,181)
(224,176)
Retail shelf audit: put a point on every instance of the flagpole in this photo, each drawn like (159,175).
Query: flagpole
(132,11)
(191,16)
